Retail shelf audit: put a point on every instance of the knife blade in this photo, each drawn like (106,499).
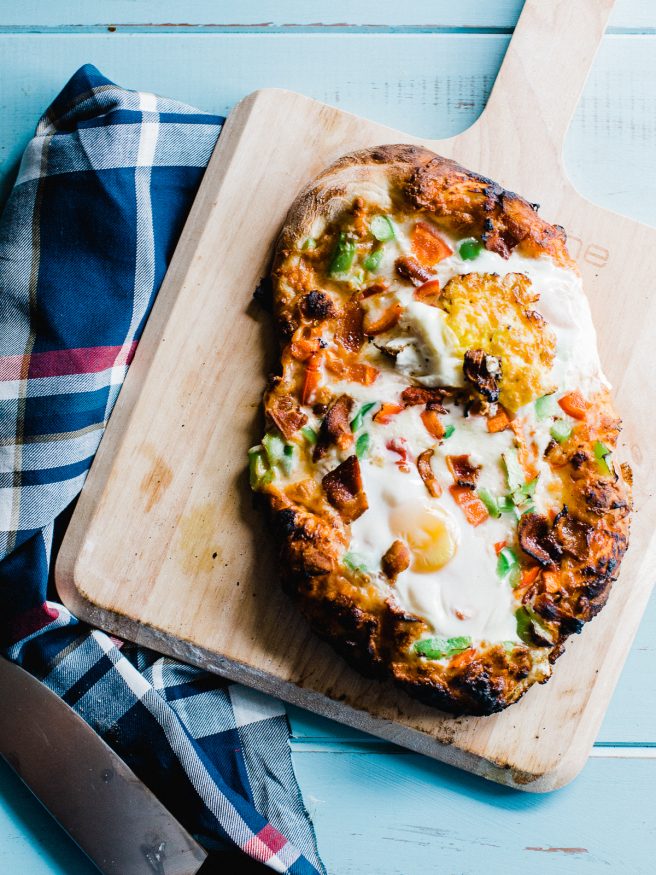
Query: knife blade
(95,797)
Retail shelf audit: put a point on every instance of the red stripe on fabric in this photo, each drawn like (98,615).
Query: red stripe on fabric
(257,850)
(31,621)
(61,362)
(265,844)
(272,838)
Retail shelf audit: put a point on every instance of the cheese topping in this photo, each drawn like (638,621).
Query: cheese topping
(465,596)
(453,581)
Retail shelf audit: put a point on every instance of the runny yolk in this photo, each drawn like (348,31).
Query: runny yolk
(428,533)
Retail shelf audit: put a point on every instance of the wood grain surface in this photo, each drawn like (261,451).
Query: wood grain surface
(164,547)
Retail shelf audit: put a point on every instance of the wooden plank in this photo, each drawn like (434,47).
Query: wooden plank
(177,590)
(225,68)
(404,814)
(470,14)
(608,150)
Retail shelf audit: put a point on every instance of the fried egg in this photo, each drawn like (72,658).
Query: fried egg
(452,581)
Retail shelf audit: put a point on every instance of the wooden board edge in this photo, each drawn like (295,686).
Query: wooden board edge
(563,770)
(555,775)
(390,134)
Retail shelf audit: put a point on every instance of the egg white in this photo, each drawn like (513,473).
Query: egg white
(466,597)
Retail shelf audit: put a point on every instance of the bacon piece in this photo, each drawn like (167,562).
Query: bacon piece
(335,428)
(410,269)
(464,472)
(396,560)
(343,488)
(537,540)
(470,504)
(350,332)
(348,369)
(317,306)
(286,414)
(483,372)
(385,413)
(573,535)
(432,398)
(386,321)
(312,378)
(426,473)
(428,293)
(499,422)
(432,423)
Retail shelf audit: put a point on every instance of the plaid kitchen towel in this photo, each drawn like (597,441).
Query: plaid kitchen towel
(85,239)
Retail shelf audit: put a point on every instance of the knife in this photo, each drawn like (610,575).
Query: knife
(95,797)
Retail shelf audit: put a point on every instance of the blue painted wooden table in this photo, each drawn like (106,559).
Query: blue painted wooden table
(425,67)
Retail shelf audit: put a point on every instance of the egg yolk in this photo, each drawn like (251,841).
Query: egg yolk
(428,533)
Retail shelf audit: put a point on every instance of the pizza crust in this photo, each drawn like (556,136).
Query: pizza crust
(312,526)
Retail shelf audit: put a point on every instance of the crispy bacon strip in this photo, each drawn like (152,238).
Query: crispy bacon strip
(395,560)
(572,535)
(343,488)
(350,333)
(410,269)
(386,321)
(426,473)
(432,398)
(483,372)
(286,414)
(464,472)
(335,428)
(537,540)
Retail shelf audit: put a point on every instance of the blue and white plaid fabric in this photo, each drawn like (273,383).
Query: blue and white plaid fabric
(85,240)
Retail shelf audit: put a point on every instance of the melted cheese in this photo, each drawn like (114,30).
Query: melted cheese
(464,596)
(425,346)
(562,304)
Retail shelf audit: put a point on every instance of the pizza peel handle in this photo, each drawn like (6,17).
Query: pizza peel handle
(539,85)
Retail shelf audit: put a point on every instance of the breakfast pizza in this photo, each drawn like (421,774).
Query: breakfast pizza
(439,457)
